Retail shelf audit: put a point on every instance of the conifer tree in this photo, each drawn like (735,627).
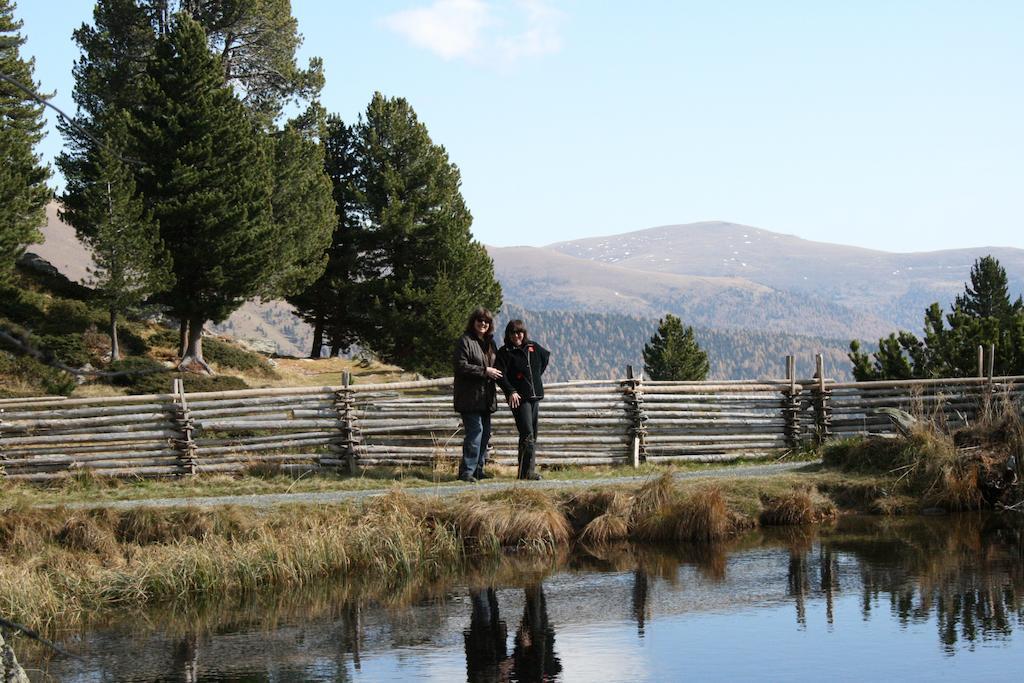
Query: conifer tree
(673,353)
(208,181)
(23,190)
(983,315)
(255,42)
(131,262)
(331,305)
(416,242)
(304,212)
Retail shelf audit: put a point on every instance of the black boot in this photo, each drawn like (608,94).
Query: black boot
(528,460)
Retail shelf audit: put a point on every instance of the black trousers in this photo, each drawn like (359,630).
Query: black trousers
(526,422)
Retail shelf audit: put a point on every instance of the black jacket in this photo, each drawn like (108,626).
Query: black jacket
(473,392)
(521,368)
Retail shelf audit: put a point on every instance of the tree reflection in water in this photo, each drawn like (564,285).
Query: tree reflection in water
(964,574)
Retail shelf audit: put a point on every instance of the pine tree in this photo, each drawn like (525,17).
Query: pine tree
(131,262)
(673,353)
(331,304)
(208,181)
(988,294)
(255,41)
(983,315)
(23,190)
(303,212)
(416,241)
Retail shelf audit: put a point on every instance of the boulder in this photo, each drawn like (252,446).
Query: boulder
(10,670)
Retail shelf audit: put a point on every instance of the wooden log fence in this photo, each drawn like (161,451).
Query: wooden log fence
(595,422)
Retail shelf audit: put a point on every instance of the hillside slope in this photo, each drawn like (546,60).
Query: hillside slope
(893,286)
(545,280)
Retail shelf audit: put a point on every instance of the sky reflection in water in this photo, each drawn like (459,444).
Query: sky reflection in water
(871,599)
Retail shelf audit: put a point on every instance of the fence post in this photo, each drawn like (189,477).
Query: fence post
(820,401)
(981,360)
(991,363)
(791,406)
(186,446)
(3,457)
(635,411)
(344,400)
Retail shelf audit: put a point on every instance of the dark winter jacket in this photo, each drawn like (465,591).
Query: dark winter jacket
(521,368)
(474,392)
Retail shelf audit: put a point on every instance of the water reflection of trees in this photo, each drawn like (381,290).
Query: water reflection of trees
(966,572)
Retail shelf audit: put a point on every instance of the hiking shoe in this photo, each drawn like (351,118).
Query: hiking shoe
(468,478)
(484,475)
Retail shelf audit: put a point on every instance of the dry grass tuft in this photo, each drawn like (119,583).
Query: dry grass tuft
(613,523)
(703,517)
(85,533)
(653,496)
(803,506)
(925,463)
(517,517)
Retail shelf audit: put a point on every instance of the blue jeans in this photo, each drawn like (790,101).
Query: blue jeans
(474,445)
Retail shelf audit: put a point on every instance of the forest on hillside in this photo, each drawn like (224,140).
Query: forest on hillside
(588,345)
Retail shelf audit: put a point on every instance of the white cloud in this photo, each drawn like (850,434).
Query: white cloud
(541,36)
(482,31)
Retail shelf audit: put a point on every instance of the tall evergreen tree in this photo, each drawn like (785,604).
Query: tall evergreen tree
(303,212)
(983,315)
(131,262)
(988,294)
(255,42)
(332,305)
(23,190)
(673,353)
(208,181)
(416,241)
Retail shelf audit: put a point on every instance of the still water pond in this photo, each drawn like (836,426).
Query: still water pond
(915,599)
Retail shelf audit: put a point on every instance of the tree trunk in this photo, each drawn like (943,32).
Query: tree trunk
(182,337)
(114,350)
(193,356)
(335,350)
(318,336)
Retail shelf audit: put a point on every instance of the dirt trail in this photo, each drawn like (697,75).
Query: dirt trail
(447,489)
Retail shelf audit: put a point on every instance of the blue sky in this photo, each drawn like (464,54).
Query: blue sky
(890,124)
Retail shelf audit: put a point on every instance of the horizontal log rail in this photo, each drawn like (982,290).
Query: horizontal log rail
(588,422)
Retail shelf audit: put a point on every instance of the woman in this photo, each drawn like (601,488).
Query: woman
(521,363)
(474,391)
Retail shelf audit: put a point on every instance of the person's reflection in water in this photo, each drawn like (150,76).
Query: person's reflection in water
(533,658)
(640,589)
(485,638)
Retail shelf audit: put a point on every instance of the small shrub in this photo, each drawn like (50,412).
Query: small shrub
(139,370)
(163,338)
(66,315)
(25,376)
(69,348)
(196,383)
(131,342)
(229,356)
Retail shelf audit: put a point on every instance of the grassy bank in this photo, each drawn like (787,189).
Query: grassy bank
(61,566)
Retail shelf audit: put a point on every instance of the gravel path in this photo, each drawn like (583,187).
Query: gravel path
(324,497)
